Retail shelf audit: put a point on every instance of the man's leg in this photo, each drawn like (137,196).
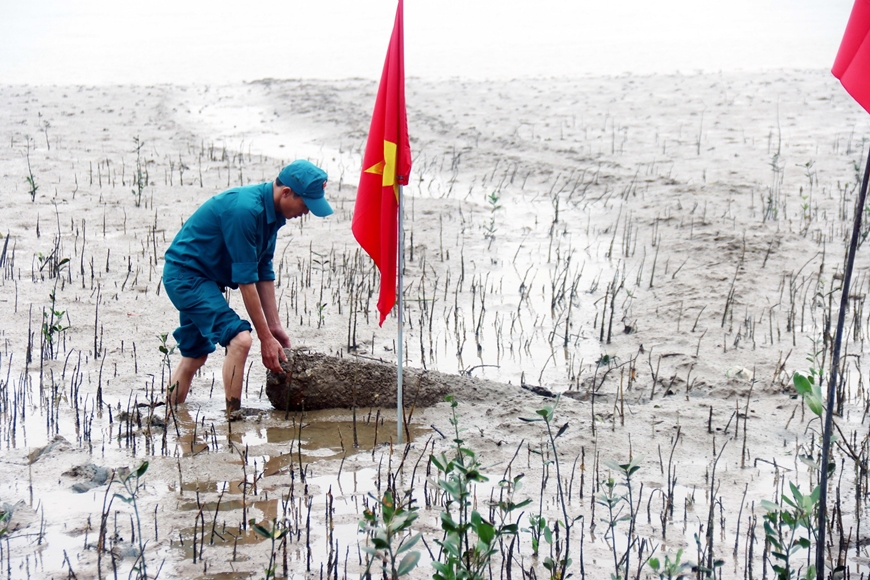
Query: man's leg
(182,376)
(192,297)
(234,369)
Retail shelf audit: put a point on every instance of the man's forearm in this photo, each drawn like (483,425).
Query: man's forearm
(266,293)
(254,306)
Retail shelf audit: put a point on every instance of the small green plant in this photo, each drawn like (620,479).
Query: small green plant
(706,570)
(809,388)
(539,530)
(164,348)
(670,569)
(538,526)
(53,262)
(615,504)
(132,482)
(52,326)
(393,523)
(5,516)
(789,527)
(52,319)
(166,351)
(31,180)
(31,183)
(606,360)
(806,214)
(490,228)
(275,535)
(321,314)
(469,540)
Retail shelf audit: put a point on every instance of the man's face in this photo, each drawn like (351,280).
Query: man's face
(292,205)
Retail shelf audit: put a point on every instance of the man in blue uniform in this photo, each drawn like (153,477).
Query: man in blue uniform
(229,242)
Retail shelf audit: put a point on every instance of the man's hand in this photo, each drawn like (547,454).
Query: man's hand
(273,354)
(264,317)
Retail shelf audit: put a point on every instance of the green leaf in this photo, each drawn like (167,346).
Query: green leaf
(439,462)
(409,544)
(408,563)
(142,469)
(520,505)
(399,522)
(548,535)
(451,487)
(259,529)
(802,385)
(814,402)
(633,465)
(808,461)
(770,506)
(613,465)
(562,429)
(486,532)
(447,523)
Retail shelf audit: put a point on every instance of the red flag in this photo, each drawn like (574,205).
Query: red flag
(386,165)
(852,66)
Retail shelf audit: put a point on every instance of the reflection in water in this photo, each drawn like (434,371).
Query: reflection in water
(275,482)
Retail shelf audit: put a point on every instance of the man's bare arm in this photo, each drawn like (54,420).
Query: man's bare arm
(266,291)
(271,349)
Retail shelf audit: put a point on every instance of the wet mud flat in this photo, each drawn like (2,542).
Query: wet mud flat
(663,252)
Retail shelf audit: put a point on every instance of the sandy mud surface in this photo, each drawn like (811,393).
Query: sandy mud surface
(664,252)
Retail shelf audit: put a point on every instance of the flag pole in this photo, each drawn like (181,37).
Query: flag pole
(378,211)
(400,302)
(832,383)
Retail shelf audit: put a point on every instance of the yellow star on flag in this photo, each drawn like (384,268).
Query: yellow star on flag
(387,167)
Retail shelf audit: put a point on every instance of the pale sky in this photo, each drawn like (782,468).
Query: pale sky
(212,41)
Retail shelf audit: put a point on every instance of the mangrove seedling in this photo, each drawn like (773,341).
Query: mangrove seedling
(275,535)
(469,540)
(670,569)
(615,503)
(790,527)
(558,566)
(133,485)
(393,523)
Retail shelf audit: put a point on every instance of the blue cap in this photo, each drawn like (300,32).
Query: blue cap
(307,180)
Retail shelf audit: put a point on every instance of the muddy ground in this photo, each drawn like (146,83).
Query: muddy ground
(665,251)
